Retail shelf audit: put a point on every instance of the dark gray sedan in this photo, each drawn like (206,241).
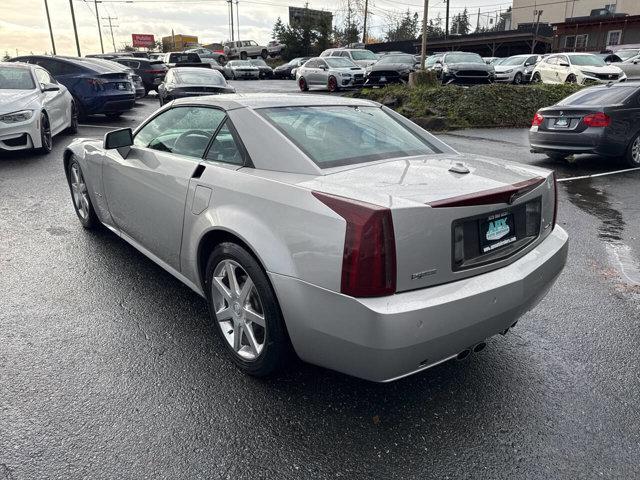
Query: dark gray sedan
(191,82)
(603,120)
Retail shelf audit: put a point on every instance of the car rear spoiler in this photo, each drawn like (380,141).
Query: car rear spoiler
(201,65)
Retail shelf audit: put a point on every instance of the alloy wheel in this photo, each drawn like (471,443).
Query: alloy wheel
(333,84)
(635,151)
(238,309)
(79,192)
(45,133)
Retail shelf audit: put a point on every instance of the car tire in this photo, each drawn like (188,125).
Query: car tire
(332,84)
(517,79)
(632,156)
(264,54)
(46,139)
(73,127)
(256,349)
(80,195)
(114,115)
(243,55)
(302,84)
(536,78)
(571,78)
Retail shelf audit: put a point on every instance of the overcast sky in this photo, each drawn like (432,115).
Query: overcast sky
(23,23)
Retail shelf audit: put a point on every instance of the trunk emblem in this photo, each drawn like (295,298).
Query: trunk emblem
(459,167)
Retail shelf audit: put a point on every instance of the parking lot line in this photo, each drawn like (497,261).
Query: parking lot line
(582,177)
(100,126)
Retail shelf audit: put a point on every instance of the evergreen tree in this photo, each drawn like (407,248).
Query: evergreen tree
(278,30)
(461,24)
(404,28)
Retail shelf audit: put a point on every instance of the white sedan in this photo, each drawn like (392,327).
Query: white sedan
(580,68)
(33,108)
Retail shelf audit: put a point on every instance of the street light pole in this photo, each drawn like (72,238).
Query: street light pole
(75,28)
(423,55)
(99,28)
(53,43)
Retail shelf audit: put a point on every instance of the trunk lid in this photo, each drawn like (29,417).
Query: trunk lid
(428,197)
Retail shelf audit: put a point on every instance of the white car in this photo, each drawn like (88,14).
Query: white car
(33,108)
(329,72)
(581,68)
(359,56)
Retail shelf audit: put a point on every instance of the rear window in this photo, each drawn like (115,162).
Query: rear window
(600,96)
(339,62)
(333,136)
(184,58)
(16,78)
(200,77)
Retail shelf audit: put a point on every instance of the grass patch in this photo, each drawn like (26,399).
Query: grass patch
(450,107)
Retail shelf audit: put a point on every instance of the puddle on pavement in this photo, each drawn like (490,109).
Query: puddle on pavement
(595,201)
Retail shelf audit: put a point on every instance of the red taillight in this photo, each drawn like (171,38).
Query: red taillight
(599,119)
(537,120)
(369,257)
(155,72)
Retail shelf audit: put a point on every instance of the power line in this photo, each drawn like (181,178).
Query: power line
(111,27)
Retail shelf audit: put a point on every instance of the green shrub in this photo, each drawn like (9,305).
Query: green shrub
(450,107)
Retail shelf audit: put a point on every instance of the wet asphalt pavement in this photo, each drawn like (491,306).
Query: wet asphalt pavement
(110,368)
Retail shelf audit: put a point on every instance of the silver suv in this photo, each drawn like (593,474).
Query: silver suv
(244,49)
(359,56)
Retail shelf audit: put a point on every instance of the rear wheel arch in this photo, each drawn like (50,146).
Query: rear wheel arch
(66,160)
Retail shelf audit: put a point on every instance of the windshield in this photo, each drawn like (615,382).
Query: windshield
(513,61)
(363,55)
(16,78)
(587,61)
(339,62)
(600,96)
(432,60)
(239,63)
(463,58)
(258,62)
(341,135)
(409,59)
(200,77)
(627,54)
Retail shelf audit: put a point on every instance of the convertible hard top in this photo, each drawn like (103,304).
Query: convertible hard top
(261,100)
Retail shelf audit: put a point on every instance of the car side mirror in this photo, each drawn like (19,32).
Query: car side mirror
(322,67)
(635,62)
(50,87)
(120,139)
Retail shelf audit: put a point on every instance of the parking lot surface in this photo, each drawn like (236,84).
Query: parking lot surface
(110,368)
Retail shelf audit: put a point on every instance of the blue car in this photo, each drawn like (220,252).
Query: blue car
(96,88)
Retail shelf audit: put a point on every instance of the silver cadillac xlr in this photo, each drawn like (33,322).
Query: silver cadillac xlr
(330,228)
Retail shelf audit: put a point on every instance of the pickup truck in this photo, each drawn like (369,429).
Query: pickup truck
(244,49)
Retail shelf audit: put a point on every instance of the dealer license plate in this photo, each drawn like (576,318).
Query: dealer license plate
(496,231)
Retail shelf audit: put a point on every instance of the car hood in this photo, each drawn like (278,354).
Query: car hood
(347,69)
(391,66)
(607,69)
(504,68)
(421,179)
(365,63)
(14,100)
(470,66)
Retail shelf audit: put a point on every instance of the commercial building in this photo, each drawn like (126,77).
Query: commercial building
(524,12)
(596,33)
(315,18)
(176,43)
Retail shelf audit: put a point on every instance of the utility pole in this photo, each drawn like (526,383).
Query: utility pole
(364,28)
(423,53)
(535,36)
(446,21)
(95,2)
(232,29)
(75,28)
(111,26)
(53,43)
(237,20)
(478,20)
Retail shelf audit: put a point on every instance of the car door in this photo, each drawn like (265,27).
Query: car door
(55,102)
(547,70)
(310,73)
(563,68)
(322,75)
(146,190)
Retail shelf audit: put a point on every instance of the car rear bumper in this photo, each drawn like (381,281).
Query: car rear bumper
(593,140)
(112,103)
(21,136)
(383,339)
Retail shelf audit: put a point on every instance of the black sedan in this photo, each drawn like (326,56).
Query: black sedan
(463,68)
(602,120)
(284,71)
(391,68)
(191,82)
(265,70)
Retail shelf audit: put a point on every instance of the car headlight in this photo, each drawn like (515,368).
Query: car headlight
(509,71)
(527,71)
(445,68)
(589,74)
(16,117)
(346,75)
